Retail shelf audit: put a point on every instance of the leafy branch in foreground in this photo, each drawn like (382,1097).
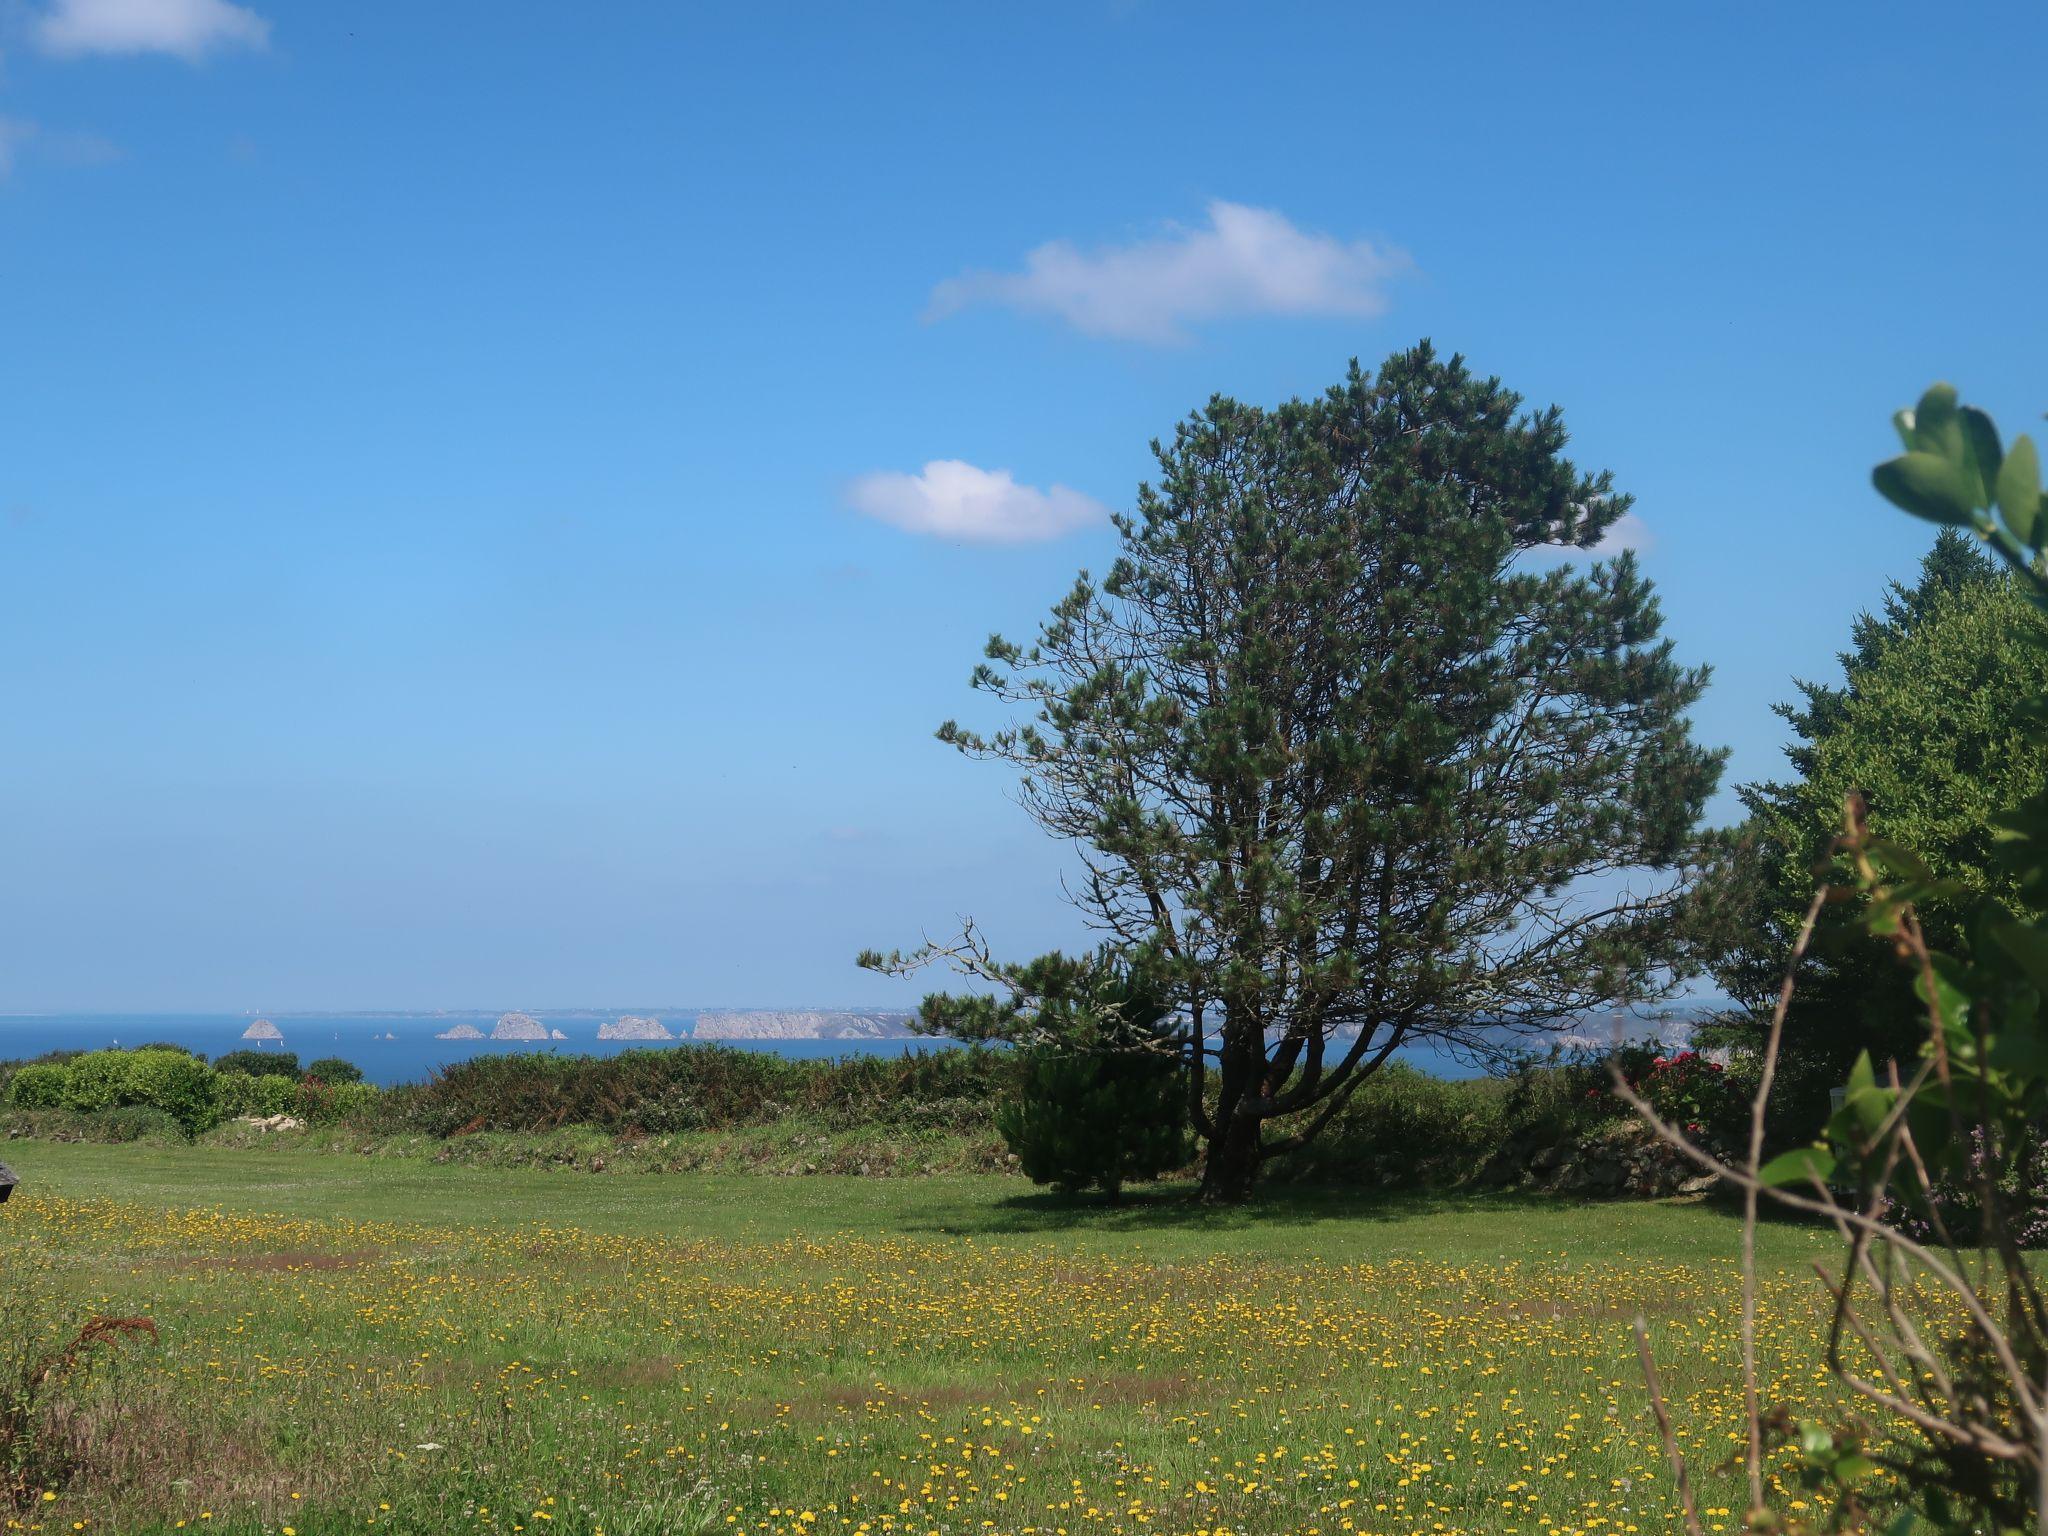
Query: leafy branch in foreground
(1946,1336)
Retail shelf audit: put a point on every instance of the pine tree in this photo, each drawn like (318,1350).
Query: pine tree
(1346,767)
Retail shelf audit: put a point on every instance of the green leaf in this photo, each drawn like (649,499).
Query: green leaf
(1869,1107)
(1951,990)
(1902,423)
(1852,1467)
(1980,448)
(1935,427)
(2028,946)
(1799,1166)
(1929,486)
(1862,1074)
(1897,859)
(2019,492)
(1814,1439)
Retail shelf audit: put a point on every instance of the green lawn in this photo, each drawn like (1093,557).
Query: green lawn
(348,1343)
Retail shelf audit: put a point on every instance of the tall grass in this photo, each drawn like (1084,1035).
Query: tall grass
(52,1416)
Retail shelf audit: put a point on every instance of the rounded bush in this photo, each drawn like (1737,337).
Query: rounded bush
(96,1081)
(1097,1118)
(334,1071)
(39,1085)
(182,1086)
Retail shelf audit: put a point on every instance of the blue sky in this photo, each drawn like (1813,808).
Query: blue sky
(465,532)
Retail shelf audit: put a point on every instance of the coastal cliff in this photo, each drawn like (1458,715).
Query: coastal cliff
(762,1025)
(634,1026)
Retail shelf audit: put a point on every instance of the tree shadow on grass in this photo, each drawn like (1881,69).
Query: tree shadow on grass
(1173,1208)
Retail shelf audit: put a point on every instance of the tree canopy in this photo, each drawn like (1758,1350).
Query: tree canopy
(1930,726)
(1340,761)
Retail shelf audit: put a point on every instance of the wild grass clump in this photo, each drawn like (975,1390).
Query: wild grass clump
(51,1415)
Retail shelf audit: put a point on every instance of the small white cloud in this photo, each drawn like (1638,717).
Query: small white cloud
(1246,261)
(189,29)
(957,500)
(1626,532)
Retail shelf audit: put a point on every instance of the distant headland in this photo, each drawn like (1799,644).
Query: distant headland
(710,1025)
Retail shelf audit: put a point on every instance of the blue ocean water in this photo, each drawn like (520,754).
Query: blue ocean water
(410,1057)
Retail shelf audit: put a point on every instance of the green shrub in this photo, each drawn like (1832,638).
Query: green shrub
(38,1085)
(334,1071)
(260,1063)
(702,1087)
(1403,1128)
(240,1093)
(234,1091)
(135,1122)
(355,1103)
(95,1081)
(274,1095)
(183,1086)
(1101,1118)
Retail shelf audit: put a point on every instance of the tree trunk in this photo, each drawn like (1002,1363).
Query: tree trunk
(1231,1161)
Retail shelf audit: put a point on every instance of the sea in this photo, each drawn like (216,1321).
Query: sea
(389,1047)
(403,1048)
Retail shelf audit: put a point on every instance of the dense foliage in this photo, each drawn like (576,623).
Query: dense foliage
(258,1063)
(701,1087)
(1346,765)
(163,1079)
(1939,1329)
(1928,726)
(1096,1119)
(1101,1098)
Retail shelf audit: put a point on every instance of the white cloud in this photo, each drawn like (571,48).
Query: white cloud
(190,29)
(1245,261)
(1626,532)
(957,500)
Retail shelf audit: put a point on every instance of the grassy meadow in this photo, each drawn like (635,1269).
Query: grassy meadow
(346,1345)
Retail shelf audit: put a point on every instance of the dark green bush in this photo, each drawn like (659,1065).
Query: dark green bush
(1097,1119)
(260,1063)
(334,1071)
(1404,1128)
